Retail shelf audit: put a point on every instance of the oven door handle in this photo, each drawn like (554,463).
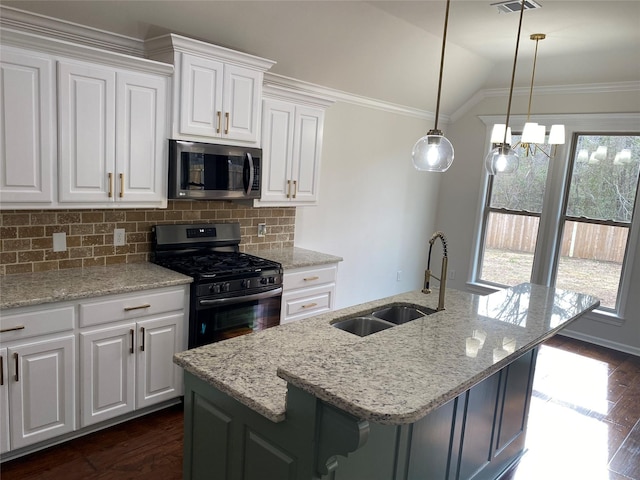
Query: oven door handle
(244,298)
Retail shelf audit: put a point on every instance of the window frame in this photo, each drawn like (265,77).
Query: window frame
(552,217)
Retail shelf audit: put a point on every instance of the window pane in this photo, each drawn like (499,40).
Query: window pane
(605,177)
(509,244)
(524,189)
(591,260)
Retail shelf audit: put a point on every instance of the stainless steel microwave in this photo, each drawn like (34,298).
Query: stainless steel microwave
(204,171)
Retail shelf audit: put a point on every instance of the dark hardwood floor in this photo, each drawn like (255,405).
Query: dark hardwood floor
(584,424)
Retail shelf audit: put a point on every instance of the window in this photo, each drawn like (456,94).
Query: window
(511,220)
(567,221)
(597,215)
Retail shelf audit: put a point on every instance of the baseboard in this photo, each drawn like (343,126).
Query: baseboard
(621,347)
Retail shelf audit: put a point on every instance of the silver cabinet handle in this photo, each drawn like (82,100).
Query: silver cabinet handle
(142,341)
(131,332)
(311,279)
(17,362)
(11,329)
(309,305)
(128,309)
(1,370)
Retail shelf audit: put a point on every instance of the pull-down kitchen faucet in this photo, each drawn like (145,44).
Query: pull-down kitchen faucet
(443,274)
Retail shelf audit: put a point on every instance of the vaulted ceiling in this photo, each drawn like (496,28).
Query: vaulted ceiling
(390,50)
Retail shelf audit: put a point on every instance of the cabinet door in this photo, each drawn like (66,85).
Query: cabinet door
(307,144)
(241,103)
(107,373)
(5,445)
(157,377)
(277,149)
(41,390)
(141,133)
(86,107)
(27,128)
(201,96)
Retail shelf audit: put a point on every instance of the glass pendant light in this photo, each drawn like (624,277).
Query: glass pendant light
(502,158)
(434,152)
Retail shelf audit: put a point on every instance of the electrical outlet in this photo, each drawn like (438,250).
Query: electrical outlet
(452,274)
(59,242)
(262,229)
(399,276)
(119,238)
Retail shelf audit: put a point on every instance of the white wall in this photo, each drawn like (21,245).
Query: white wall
(460,189)
(375,210)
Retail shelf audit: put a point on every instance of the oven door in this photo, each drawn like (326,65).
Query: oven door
(214,319)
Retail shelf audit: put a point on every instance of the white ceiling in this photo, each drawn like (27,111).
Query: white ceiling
(390,50)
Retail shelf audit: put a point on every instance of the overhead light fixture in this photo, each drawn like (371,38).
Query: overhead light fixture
(502,158)
(434,152)
(534,134)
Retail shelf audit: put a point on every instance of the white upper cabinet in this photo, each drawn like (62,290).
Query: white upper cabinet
(111,135)
(87,114)
(95,121)
(217,92)
(292,131)
(27,128)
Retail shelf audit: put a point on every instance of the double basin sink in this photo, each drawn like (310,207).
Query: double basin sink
(382,319)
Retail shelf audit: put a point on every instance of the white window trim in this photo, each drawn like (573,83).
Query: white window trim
(547,247)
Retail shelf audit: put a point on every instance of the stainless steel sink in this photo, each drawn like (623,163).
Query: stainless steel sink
(363,326)
(399,314)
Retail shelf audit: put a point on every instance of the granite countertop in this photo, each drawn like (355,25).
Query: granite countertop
(395,376)
(295,257)
(69,284)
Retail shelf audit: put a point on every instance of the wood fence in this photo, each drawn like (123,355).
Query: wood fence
(580,240)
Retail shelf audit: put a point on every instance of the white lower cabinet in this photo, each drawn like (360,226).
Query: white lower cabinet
(125,346)
(38,388)
(129,366)
(41,390)
(307,292)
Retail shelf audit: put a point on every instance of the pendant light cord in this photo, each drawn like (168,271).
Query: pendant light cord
(513,73)
(533,75)
(444,43)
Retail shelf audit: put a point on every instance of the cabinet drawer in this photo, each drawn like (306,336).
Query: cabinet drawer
(39,322)
(125,307)
(309,277)
(307,302)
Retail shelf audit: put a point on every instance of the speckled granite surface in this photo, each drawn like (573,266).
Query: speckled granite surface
(59,285)
(296,257)
(398,375)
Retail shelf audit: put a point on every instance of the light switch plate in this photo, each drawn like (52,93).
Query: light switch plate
(60,242)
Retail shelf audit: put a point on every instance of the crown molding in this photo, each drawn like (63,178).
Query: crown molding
(171,42)
(593,88)
(286,88)
(40,25)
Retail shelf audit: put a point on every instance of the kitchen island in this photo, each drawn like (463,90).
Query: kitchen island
(443,396)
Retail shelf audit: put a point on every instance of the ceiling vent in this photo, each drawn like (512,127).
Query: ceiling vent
(510,6)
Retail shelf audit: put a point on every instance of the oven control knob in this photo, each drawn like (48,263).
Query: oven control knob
(246,283)
(272,280)
(264,280)
(215,288)
(225,287)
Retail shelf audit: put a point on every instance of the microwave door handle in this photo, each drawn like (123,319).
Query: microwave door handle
(243,298)
(250,158)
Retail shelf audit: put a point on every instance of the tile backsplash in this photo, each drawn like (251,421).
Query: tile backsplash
(27,235)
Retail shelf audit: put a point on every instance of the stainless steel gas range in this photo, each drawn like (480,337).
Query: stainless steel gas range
(232,293)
